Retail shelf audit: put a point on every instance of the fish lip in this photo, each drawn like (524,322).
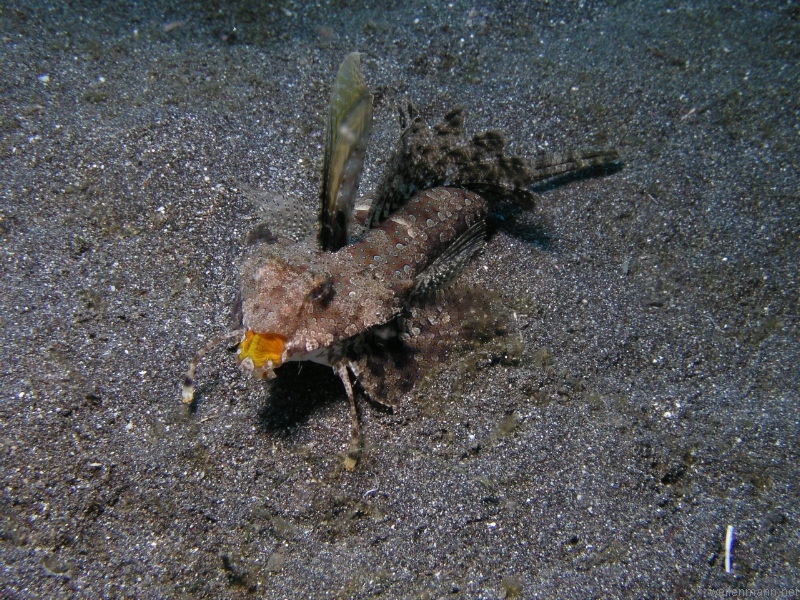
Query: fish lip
(265,371)
(261,353)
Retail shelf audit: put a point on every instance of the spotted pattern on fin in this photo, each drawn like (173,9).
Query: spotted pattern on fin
(448,266)
(551,164)
(425,158)
(443,156)
(393,358)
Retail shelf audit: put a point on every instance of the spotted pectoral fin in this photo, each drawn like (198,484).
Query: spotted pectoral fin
(463,321)
(443,271)
(349,128)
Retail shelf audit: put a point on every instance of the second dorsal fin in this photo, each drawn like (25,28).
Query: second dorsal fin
(443,156)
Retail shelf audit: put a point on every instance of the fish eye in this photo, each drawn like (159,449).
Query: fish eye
(322,292)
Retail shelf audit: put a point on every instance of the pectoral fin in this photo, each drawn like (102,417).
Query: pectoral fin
(464,321)
(443,272)
(349,128)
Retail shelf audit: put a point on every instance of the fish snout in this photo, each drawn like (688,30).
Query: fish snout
(261,353)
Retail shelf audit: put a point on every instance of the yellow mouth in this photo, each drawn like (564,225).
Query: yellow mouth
(262,348)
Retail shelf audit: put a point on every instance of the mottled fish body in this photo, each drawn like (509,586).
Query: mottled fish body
(316,300)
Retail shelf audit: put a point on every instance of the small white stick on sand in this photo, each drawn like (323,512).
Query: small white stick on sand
(728,546)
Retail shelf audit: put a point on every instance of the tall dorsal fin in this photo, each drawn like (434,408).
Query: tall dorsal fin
(349,128)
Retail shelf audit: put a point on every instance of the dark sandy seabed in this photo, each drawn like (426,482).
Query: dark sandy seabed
(654,404)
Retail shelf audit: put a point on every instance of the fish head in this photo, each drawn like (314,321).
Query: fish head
(285,289)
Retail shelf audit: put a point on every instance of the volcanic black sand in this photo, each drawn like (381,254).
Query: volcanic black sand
(652,403)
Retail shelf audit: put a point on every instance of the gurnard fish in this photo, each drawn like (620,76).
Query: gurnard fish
(362,283)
